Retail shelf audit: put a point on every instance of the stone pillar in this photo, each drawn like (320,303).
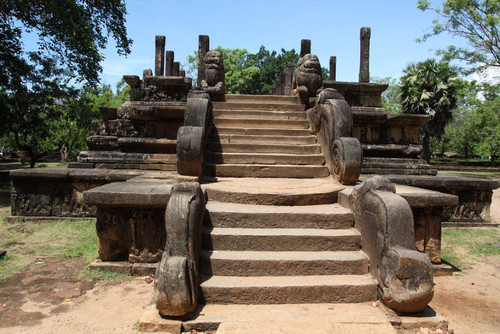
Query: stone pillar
(305,47)
(160,56)
(333,68)
(169,63)
(288,80)
(364,65)
(175,69)
(203,47)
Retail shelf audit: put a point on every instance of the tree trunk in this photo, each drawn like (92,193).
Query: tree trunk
(426,150)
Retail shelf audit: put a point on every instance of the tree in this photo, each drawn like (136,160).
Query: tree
(390,97)
(71,35)
(271,65)
(429,88)
(476,21)
(248,73)
(70,130)
(475,129)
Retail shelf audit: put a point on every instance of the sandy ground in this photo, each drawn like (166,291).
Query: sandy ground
(49,300)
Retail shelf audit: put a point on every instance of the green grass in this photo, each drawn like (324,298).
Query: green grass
(25,242)
(462,247)
(483,175)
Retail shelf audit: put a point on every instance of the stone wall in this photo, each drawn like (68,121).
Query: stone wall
(58,191)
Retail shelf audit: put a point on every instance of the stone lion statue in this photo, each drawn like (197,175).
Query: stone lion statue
(215,78)
(307,79)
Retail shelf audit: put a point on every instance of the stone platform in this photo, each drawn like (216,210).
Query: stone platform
(369,317)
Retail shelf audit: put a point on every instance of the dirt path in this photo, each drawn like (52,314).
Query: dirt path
(47,298)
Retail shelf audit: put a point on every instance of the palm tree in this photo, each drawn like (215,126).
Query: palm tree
(429,87)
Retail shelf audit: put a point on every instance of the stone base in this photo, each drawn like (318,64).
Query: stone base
(125,267)
(442,269)
(285,318)
(425,319)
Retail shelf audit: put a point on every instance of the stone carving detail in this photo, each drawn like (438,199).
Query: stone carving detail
(331,119)
(307,79)
(385,221)
(176,279)
(215,79)
(191,138)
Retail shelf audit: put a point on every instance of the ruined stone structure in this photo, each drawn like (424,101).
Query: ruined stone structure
(233,199)
(142,133)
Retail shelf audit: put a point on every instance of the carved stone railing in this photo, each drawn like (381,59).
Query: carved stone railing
(191,138)
(177,276)
(331,120)
(385,221)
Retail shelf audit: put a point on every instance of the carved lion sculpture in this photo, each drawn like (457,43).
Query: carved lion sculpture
(307,79)
(215,79)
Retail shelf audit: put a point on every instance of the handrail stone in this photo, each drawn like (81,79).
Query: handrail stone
(177,276)
(385,221)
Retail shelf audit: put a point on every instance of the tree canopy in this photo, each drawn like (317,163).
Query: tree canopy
(36,80)
(71,34)
(429,87)
(476,21)
(248,73)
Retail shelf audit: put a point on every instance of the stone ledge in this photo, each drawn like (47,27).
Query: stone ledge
(130,194)
(65,173)
(14,219)
(449,182)
(416,197)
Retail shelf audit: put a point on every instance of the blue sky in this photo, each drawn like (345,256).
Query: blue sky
(332,26)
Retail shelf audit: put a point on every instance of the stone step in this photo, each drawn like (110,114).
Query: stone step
(317,318)
(280,239)
(259,99)
(270,192)
(263,139)
(221,130)
(287,289)
(260,123)
(261,114)
(271,171)
(137,144)
(264,158)
(257,106)
(252,263)
(263,148)
(399,171)
(232,215)
(122,157)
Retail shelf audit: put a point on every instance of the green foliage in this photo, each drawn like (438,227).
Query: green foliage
(36,94)
(70,33)
(390,97)
(430,87)
(248,73)
(476,21)
(475,129)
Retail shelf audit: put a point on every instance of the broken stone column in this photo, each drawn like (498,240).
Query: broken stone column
(305,47)
(203,47)
(175,69)
(333,68)
(288,80)
(364,64)
(169,63)
(160,56)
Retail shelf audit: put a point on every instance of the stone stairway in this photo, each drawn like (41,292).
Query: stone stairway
(282,253)
(262,136)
